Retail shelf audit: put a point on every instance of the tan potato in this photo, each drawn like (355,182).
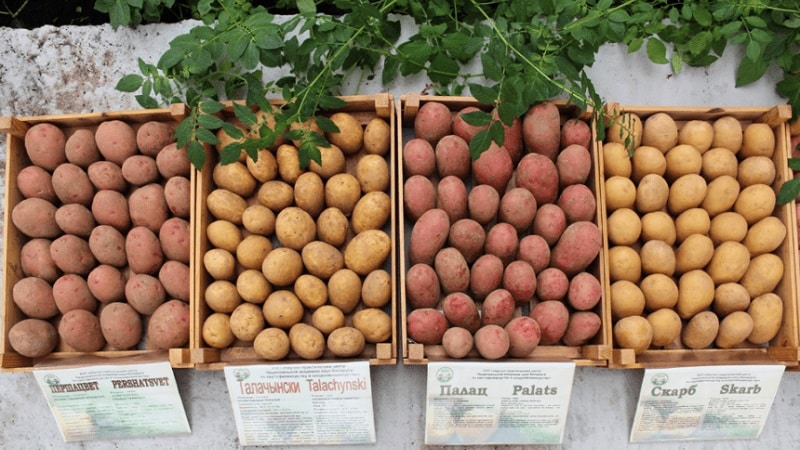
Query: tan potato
(312,292)
(660,291)
(374,324)
(755,202)
(625,129)
(272,344)
(377,137)
(219,263)
(765,236)
(372,173)
(657,257)
(633,332)
(222,296)
(224,234)
(226,205)
(306,341)
(624,227)
(652,193)
(234,177)
(624,263)
(350,136)
(288,160)
(306,128)
(344,290)
(217,331)
(616,160)
(686,192)
(734,329)
(763,274)
(332,227)
(367,251)
(647,159)
(309,193)
(756,170)
(295,228)
(695,293)
(758,139)
(327,318)
(698,133)
(728,134)
(275,195)
(264,168)
(247,321)
(719,161)
(626,299)
(692,221)
(333,162)
(729,263)
(342,191)
(660,131)
(721,195)
(282,309)
(683,159)
(376,290)
(727,226)
(700,331)
(252,286)
(767,313)
(371,212)
(667,326)
(346,342)
(694,253)
(321,259)
(620,193)
(730,297)
(658,225)
(252,250)
(282,266)
(258,219)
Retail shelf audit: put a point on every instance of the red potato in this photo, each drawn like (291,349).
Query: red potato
(44,144)
(574,164)
(34,297)
(538,174)
(483,203)
(106,283)
(147,207)
(80,148)
(72,254)
(422,287)
(486,275)
(143,251)
(33,338)
(174,238)
(553,319)
(551,284)
(174,277)
(153,136)
(468,237)
(461,311)
(106,175)
(107,244)
(74,218)
(419,196)
(80,329)
(524,335)
(111,208)
(576,131)
(35,260)
(168,327)
(177,192)
(452,270)
(541,129)
(121,326)
(71,291)
(173,162)
(498,308)
(519,279)
(582,326)
(33,181)
(457,342)
(426,326)
(502,240)
(493,167)
(116,141)
(578,203)
(35,218)
(433,122)
(419,158)
(578,246)
(428,236)
(72,184)
(534,250)
(464,130)
(550,223)
(451,196)
(518,207)
(139,170)
(512,140)
(453,157)
(492,342)
(144,293)
(584,291)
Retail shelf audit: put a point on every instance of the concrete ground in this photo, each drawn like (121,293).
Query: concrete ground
(74,69)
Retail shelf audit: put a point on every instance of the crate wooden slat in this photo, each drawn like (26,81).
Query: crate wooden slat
(783,349)
(13,239)
(595,353)
(363,108)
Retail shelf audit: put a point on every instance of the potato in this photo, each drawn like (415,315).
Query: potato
(660,131)
(144,293)
(376,289)
(419,195)
(458,342)
(519,279)
(452,270)
(517,207)
(535,251)
(666,325)
(217,331)
(225,205)
(468,237)
(727,226)
(333,162)
(766,310)
(327,318)
(272,344)
(624,263)
(295,228)
(584,291)
(33,181)
(174,276)
(734,329)
(719,161)
(72,254)
(344,290)
(139,170)
(686,192)
(755,202)
(372,173)
(70,291)
(222,296)
(35,260)
(502,240)
(342,191)
(692,221)
(45,145)
(80,148)
(264,168)
(453,157)
(121,325)
(428,235)
(282,309)
(36,218)
(433,122)
(700,331)
(265,120)
(695,293)
(152,136)
(346,342)
(576,131)
(624,227)
(659,290)
(627,299)
(582,327)
(727,133)
(551,284)
(74,218)
(372,211)
(422,286)
(730,297)
(658,225)
(350,136)
(173,162)
(174,237)
(34,297)
(697,133)
(367,251)
(426,326)
(578,203)
(115,140)
(633,332)
(524,335)
(377,137)
(247,321)
(309,193)
(419,158)
(538,174)
(756,170)
(574,163)
(33,338)
(763,274)
(494,167)
(492,342)
(111,208)
(577,247)
(460,310)
(616,160)
(282,266)
(143,251)
(374,324)
(512,136)
(311,291)
(275,195)
(694,253)
(620,193)
(765,236)
(451,197)
(483,202)
(106,175)
(306,341)
(234,177)
(486,275)
(549,223)
(224,235)
(107,284)
(460,126)
(332,227)
(80,329)
(252,286)
(541,129)
(258,219)
(757,140)
(652,193)
(321,260)
(729,262)
(108,246)
(721,195)
(646,160)
(553,319)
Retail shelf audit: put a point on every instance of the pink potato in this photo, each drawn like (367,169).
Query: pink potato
(106,175)
(177,194)
(116,141)
(139,170)
(457,342)
(34,297)
(551,284)
(464,130)
(44,144)
(493,167)
(492,342)
(148,207)
(174,238)
(33,181)
(538,174)
(584,291)
(541,129)
(578,246)
(72,254)
(524,335)
(81,149)
(121,326)
(485,276)
(534,250)
(518,207)
(452,270)
(74,218)
(174,276)
(512,140)
(107,244)
(153,136)
(483,203)
(453,157)
(576,131)
(173,162)
(111,208)
(33,338)
(553,319)
(574,164)
(428,236)
(419,196)
(433,122)
(35,218)
(419,158)
(582,326)
(144,293)
(578,203)
(461,311)
(71,291)
(426,326)
(498,308)
(468,237)
(168,327)
(519,279)
(72,184)
(80,329)
(35,260)
(422,286)
(502,240)
(107,284)
(550,223)
(143,251)
(451,196)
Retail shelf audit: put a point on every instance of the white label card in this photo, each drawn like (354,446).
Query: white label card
(703,403)
(302,404)
(498,403)
(114,401)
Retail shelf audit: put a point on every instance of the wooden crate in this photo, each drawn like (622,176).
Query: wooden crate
(13,239)
(783,349)
(363,108)
(595,353)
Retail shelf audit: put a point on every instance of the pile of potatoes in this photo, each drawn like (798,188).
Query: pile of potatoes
(106,265)
(500,247)
(692,232)
(297,256)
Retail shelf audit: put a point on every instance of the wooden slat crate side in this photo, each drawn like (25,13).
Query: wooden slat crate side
(595,353)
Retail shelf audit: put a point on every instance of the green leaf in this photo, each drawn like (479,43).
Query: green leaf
(308,152)
(306,7)
(700,42)
(196,154)
(491,68)
(330,102)
(497,132)
(479,144)
(443,68)
(206,136)
(702,16)
(789,191)
(730,28)
(483,94)
(147,101)
(750,71)
(244,114)
(676,61)
(794,163)
(477,118)
(209,121)
(232,130)
(753,50)
(129,83)
(656,51)
(326,124)
(230,153)
(755,21)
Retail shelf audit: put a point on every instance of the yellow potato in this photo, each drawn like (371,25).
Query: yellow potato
(765,236)
(376,290)
(333,162)
(332,227)
(620,193)
(700,331)
(727,133)
(234,177)
(265,120)
(755,202)
(225,139)
(220,264)
(264,168)
(686,192)
(374,323)
(756,170)
(647,159)
(719,161)
(367,251)
(624,227)
(767,313)
(222,296)
(660,291)
(309,193)
(275,195)
(729,263)
(652,193)
(694,253)
(683,159)
(657,257)
(327,318)
(282,266)
(721,195)
(659,225)
(282,309)
(695,293)
(727,226)
(624,263)
(633,332)
(346,342)
(321,259)
(377,137)
(757,140)
(224,234)
(305,128)
(295,228)
(616,160)
(371,212)
(252,286)
(217,331)
(344,290)
(252,250)
(734,329)
(342,191)
(258,219)
(660,131)
(306,341)
(626,299)
(288,159)
(247,321)
(698,133)
(225,205)
(372,173)
(763,274)
(626,129)
(311,291)
(730,297)
(272,344)
(666,325)
(350,136)
(692,221)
